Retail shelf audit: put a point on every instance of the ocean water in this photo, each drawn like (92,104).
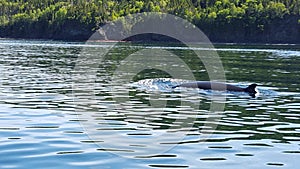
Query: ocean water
(76,105)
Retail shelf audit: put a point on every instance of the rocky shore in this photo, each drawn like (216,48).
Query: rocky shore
(285,30)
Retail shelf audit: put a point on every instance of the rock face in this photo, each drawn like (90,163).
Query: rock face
(285,30)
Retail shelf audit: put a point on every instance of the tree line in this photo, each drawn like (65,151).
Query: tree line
(49,17)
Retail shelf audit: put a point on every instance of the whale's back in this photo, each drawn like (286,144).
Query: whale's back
(207,85)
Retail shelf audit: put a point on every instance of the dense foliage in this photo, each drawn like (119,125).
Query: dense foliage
(48,17)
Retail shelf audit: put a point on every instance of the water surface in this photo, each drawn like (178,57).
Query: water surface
(45,122)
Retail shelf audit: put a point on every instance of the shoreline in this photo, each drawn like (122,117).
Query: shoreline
(231,39)
(146,42)
(279,31)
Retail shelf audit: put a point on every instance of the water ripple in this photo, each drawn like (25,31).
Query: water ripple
(42,119)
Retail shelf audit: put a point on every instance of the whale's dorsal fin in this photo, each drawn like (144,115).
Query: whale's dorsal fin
(251,88)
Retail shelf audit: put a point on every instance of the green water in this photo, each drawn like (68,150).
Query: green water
(62,107)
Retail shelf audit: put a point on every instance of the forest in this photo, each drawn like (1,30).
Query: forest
(262,21)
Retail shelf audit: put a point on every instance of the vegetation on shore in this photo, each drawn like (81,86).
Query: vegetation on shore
(221,20)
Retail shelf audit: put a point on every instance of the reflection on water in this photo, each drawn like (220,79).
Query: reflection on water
(43,121)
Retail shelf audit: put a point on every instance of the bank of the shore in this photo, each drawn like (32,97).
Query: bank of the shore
(285,30)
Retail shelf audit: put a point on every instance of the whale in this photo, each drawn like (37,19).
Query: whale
(208,85)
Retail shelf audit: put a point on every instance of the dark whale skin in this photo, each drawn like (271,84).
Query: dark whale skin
(207,85)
